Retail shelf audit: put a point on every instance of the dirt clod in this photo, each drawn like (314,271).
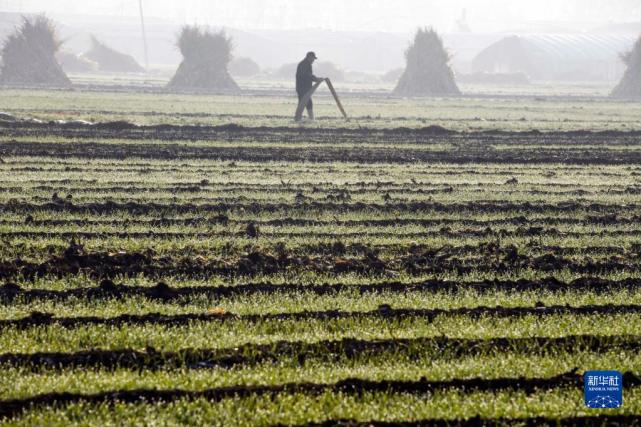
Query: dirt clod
(252,230)
(108,286)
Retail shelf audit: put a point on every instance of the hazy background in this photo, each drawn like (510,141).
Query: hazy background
(361,36)
(356,15)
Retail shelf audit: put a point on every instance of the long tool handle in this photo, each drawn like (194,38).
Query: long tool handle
(305,99)
(338,101)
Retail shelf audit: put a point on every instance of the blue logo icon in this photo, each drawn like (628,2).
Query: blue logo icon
(603,389)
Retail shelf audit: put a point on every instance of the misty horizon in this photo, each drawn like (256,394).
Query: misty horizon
(357,15)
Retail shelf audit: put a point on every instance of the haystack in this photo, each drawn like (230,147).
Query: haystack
(243,67)
(111,60)
(427,71)
(630,84)
(72,63)
(29,55)
(206,57)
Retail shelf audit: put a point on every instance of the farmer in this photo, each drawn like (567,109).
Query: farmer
(305,78)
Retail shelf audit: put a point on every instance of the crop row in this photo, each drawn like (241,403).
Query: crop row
(12,293)
(410,188)
(321,234)
(383,312)
(325,350)
(11,408)
(589,220)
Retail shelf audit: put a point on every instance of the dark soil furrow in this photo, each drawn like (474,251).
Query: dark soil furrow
(38,319)
(324,145)
(313,234)
(310,192)
(14,294)
(414,260)
(14,407)
(160,209)
(306,188)
(326,154)
(288,222)
(577,421)
(328,351)
(235,132)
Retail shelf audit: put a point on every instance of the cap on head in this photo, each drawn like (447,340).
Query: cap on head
(311,55)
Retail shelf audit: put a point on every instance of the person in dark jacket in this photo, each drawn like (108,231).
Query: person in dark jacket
(305,79)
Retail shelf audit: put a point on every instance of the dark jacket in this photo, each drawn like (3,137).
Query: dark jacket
(305,77)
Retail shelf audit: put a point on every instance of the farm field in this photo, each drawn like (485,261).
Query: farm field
(217,264)
(519,109)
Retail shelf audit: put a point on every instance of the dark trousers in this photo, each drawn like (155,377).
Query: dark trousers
(309,106)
